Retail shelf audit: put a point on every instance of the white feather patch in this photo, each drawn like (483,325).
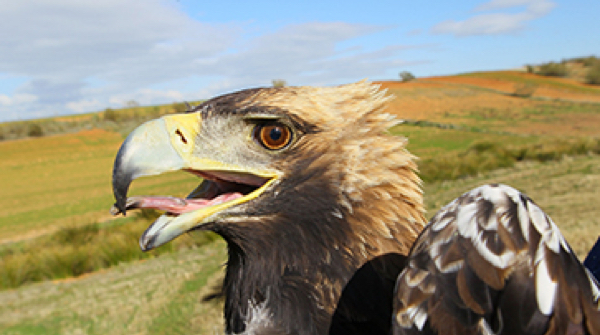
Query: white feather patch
(420,318)
(484,328)
(258,319)
(468,227)
(441,224)
(545,287)
(416,317)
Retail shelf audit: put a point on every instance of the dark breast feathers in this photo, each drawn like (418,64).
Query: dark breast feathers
(492,262)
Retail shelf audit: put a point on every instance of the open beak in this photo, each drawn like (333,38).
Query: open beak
(167,144)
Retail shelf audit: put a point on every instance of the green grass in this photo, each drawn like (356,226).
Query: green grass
(430,141)
(164,294)
(446,154)
(178,315)
(563,107)
(486,155)
(542,109)
(159,295)
(528,118)
(65,180)
(78,250)
(54,181)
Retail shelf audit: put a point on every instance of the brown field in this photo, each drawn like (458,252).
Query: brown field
(434,101)
(548,88)
(559,106)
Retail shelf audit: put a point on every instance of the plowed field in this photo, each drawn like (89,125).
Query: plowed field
(557,106)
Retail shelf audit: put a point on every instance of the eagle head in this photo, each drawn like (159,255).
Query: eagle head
(305,184)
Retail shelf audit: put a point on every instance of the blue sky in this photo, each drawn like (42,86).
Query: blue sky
(61,57)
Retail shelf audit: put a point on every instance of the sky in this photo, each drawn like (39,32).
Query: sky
(60,57)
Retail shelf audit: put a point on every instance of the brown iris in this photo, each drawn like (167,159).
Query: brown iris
(273,136)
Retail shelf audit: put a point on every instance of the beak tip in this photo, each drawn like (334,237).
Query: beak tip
(121,182)
(147,244)
(120,206)
(116,210)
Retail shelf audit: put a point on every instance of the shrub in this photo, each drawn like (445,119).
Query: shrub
(406,76)
(524,90)
(73,251)
(35,130)
(111,115)
(552,69)
(530,68)
(485,156)
(278,83)
(589,61)
(179,107)
(593,75)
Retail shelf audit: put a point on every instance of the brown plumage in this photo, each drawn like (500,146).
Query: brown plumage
(320,208)
(491,262)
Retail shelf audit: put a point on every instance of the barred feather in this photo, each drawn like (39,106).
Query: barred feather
(492,262)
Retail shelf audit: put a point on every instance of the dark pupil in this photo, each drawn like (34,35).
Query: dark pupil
(275,134)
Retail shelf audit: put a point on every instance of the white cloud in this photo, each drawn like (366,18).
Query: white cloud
(305,54)
(64,47)
(17,106)
(17,99)
(497,23)
(83,55)
(83,105)
(147,96)
(503,4)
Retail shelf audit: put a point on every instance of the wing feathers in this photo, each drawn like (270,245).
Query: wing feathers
(492,262)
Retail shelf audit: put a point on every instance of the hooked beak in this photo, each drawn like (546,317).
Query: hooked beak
(167,144)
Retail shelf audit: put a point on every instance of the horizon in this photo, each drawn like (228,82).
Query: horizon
(79,58)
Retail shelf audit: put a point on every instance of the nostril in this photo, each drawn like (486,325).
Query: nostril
(180,134)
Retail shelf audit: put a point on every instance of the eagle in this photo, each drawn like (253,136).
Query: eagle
(322,211)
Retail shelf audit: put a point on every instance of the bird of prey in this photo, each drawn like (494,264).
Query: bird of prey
(322,212)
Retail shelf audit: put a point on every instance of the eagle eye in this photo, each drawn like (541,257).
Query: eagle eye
(273,136)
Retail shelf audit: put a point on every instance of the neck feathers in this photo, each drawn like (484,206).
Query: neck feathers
(351,195)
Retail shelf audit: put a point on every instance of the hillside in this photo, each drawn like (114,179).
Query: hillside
(487,101)
(545,144)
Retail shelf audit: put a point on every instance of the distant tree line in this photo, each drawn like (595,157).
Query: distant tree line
(118,119)
(591,65)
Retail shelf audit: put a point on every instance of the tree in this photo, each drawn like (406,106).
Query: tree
(132,104)
(524,90)
(406,76)
(111,115)
(593,75)
(35,130)
(552,69)
(278,83)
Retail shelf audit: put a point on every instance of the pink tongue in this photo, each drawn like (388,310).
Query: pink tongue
(179,206)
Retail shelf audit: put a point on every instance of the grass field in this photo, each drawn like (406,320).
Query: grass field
(157,296)
(163,295)
(63,181)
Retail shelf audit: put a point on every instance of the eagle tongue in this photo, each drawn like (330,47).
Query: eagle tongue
(176,205)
